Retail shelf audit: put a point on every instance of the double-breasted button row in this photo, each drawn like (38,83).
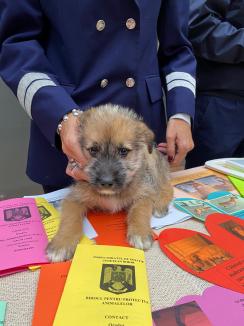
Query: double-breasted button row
(130,24)
(130,82)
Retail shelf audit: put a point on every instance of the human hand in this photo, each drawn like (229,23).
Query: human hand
(162,147)
(71,147)
(179,141)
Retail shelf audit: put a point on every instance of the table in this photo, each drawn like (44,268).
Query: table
(167,282)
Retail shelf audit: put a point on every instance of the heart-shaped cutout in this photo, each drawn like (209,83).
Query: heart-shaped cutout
(218,258)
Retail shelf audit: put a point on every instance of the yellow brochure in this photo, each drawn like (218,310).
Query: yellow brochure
(106,286)
(50,219)
(86,241)
(49,215)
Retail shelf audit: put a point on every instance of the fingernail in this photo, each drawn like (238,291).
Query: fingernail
(170,159)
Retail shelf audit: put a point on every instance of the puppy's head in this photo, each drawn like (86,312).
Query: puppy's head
(114,141)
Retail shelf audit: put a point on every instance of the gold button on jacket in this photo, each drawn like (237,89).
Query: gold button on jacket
(104,83)
(130,23)
(100,25)
(130,82)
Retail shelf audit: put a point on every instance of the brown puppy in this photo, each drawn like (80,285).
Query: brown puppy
(125,171)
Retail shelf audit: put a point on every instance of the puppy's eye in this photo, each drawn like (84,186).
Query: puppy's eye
(93,150)
(123,152)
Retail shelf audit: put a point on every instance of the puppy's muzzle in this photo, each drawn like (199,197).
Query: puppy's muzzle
(107,174)
(106,181)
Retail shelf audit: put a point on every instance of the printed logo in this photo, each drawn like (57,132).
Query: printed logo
(118,279)
(16,214)
(44,212)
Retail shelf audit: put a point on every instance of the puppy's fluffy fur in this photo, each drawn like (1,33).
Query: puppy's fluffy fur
(125,171)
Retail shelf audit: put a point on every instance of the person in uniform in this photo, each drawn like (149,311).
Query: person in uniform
(62,56)
(217,34)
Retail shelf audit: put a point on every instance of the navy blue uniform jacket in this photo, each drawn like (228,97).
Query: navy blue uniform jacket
(57,55)
(217,34)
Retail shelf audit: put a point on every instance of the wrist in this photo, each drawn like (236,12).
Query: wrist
(74,113)
(182,116)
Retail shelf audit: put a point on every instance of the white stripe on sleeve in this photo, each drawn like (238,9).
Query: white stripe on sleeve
(181,83)
(25,82)
(180,76)
(31,91)
(28,85)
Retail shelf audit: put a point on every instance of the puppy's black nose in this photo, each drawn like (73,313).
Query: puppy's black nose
(106,181)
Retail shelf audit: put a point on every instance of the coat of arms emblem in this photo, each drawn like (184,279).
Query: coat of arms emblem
(43,212)
(118,279)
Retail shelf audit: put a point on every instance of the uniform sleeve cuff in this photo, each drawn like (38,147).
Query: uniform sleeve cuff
(180,100)
(49,105)
(182,116)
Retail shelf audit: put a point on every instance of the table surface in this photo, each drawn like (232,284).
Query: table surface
(167,282)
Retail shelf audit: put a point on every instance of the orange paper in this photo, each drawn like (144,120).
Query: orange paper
(111,228)
(50,288)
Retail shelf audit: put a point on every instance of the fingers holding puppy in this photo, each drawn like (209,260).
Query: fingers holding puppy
(63,245)
(75,171)
(69,135)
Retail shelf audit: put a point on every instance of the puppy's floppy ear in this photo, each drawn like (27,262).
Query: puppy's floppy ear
(145,135)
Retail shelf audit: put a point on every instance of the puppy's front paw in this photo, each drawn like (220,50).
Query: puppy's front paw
(161,213)
(140,242)
(57,252)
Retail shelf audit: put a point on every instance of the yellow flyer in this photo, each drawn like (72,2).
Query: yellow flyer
(106,286)
(49,215)
(50,219)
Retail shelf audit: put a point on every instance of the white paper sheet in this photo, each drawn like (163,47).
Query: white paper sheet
(54,197)
(174,216)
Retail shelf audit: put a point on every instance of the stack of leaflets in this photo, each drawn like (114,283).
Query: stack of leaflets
(230,166)
(218,202)
(200,185)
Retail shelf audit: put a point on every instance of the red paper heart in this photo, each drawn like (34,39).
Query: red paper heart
(218,258)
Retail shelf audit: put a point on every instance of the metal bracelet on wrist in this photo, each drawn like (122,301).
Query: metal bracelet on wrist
(75,113)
